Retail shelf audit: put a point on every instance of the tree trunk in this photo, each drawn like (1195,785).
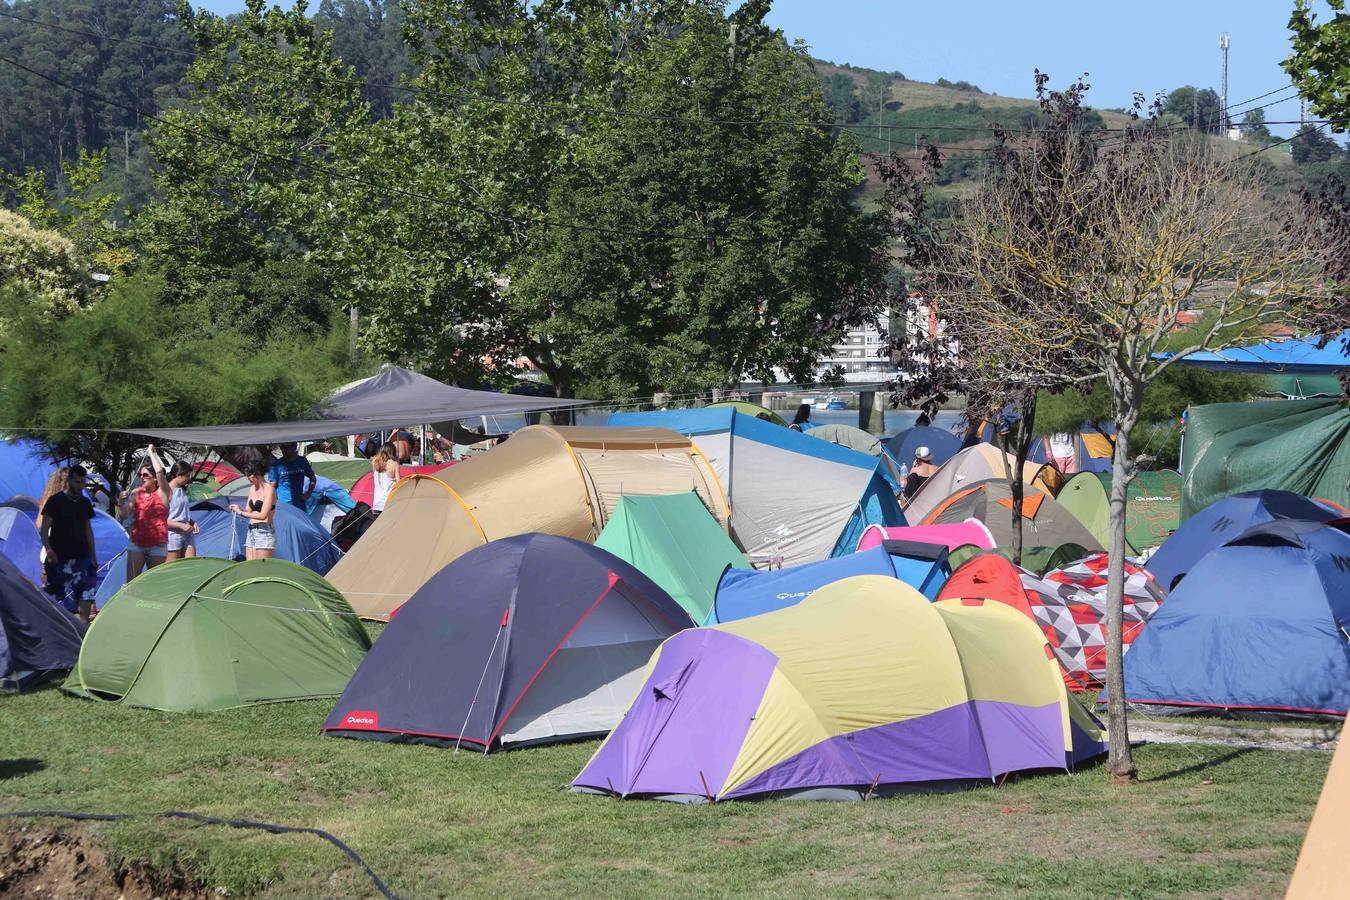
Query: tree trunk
(1129,399)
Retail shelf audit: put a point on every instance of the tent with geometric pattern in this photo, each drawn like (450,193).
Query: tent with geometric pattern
(1068,605)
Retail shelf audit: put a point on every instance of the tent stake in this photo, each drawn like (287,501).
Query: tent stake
(707,793)
(870,790)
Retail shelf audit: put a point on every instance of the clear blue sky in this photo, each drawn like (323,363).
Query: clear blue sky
(1139,45)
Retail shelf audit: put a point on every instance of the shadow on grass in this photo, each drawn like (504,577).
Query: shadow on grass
(15,768)
(1201,766)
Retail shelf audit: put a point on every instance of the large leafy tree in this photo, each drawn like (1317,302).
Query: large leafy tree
(649,248)
(1197,107)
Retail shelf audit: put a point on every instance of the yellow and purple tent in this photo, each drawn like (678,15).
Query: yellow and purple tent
(863,688)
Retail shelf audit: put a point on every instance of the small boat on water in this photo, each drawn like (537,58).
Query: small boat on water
(834,401)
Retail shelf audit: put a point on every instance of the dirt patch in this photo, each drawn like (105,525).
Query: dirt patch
(42,864)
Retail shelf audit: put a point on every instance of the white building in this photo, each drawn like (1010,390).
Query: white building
(860,354)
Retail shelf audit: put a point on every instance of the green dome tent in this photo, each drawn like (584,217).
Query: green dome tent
(1152,512)
(751,409)
(675,542)
(210,634)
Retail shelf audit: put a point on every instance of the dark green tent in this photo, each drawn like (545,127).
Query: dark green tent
(208,634)
(1152,512)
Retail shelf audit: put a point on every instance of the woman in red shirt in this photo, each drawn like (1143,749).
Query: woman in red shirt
(147,505)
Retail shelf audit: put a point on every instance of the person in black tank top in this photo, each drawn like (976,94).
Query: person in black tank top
(261,542)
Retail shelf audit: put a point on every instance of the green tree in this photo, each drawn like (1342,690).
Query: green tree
(246,167)
(1197,107)
(44,265)
(368,36)
(1254,126)
(1311,145)
(82,211)
(136,360)
(841,95)
(1317,65)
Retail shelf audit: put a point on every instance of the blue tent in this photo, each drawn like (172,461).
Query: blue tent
(1299,356)
(20,543)
(1259,624)
(1222,521)
(793,498)
(25,467)
(742,593)
(922,566)
(942,442)
(223,534)
(37,638)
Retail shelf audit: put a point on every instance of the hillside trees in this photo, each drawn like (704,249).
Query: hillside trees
(1198,107)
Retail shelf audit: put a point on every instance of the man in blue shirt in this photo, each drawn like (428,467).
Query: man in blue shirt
(293,476)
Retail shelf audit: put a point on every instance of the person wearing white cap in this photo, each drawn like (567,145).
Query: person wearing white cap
(919,472)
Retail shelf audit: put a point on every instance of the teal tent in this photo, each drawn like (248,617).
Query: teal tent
(675,542)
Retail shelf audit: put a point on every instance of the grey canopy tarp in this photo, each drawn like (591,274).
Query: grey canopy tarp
(395,397)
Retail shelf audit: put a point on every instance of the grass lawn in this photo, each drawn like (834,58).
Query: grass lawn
(433,823)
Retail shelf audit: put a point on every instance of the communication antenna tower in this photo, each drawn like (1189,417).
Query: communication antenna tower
(1223,81)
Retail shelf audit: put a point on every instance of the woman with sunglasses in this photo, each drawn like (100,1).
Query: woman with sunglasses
(261,542)
(148,506)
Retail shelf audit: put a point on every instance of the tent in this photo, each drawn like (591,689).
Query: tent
(554,479)
(223,534)
(750,409)
(978,463)
(1068,605)
(863,442)
(1044,522)
(1089,449)
(392,399)
(862,688)
(1301,446)
(20,543)
(25,467)
(209,634)
(923,566)
(37,638)
(1152,511)
(363,491)
(951,535)
(676,543)
(1299,356)
(943,444)
(1320,872)
(1221,522)
(1259,625)
(741,593)
(530,639)
(792,497)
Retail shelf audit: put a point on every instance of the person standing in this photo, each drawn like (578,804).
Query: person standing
(71,563)
(260,510)
(147,506)
(385,469)
(920,472)
(802,420)
(293,476)
(182,530)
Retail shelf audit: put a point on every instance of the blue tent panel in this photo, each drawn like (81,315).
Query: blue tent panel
(35,634)
(943,443)
(923,567)
(1258,624)
(25,467)
(742,593)
(1223,521)
(21,544)
(1300,356)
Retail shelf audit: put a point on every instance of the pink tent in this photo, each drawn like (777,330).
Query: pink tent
(971,531)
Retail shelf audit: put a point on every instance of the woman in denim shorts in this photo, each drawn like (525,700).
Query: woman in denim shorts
(259,510)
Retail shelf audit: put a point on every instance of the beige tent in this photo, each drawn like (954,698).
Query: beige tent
(1321,865)
(977,463)
(557,480)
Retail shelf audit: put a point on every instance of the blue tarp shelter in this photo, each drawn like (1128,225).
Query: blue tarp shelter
(1223,521)
(792,497)
(1258,625)
(742,593)
(1298,356)
(942,442)
(223,534)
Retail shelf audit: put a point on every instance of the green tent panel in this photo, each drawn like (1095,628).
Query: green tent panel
(345,472)
(209,634)
(674,541)
(1039,559)
(1290,445)
(1152,511)
(751,409)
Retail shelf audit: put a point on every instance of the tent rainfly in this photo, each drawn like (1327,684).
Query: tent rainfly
(530,639)
(38,639)
(741,593)
(978,463)
(553,479)
(863,688)
(1044,522)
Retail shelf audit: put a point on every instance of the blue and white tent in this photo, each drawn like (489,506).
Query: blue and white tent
(742,593)
(20,543)
(791,496)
